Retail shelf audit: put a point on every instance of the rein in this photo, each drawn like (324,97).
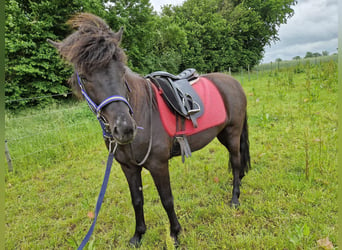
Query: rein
(151,118)
(112,145)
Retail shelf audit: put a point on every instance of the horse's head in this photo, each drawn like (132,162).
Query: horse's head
(99,65)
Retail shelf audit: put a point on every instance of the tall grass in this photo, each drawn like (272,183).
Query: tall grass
(288,199)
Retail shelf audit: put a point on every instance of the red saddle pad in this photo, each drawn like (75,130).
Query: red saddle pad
(214,110)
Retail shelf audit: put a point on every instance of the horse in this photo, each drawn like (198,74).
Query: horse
(132,118)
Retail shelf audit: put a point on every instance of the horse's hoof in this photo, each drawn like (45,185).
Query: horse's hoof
(234,204)
(135,241)
(175,242)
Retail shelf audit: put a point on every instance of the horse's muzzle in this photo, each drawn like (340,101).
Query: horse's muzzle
(124,129)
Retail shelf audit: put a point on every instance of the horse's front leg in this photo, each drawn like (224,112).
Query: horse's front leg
(160,175)
(133,176)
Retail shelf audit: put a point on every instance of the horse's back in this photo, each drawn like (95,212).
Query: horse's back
(232,94)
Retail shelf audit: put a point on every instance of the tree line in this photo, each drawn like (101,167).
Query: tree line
(209,35)
(308,54)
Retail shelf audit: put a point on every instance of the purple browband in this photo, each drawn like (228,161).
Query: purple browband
(97,109)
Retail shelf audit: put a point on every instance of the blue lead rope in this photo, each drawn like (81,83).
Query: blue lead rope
(107,135)
(100,198)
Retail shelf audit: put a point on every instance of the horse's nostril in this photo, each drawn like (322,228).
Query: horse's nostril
(115,131)
(125,131)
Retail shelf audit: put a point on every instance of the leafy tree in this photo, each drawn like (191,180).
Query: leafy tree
(296,58)
(325,53)
(152,42)
(229,33)
(170,46)
(272,13)
(33,68)
(308,54)
(28,58)
(139,21)
(206,34)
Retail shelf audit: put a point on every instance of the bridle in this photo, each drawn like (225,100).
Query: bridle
(96,109)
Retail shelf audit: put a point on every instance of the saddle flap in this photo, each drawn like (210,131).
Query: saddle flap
(191,103)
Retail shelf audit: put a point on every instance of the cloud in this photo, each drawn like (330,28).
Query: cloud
(300,49)
(314,27)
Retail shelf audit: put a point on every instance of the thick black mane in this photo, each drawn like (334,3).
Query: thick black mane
(93,45)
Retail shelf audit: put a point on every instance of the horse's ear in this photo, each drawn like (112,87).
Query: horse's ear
(118,35)
(55,44)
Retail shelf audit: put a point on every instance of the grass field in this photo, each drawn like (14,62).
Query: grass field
(288,199)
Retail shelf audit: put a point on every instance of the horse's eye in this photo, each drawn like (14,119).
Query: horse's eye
(84,79)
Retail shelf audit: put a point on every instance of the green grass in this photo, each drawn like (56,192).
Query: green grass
(288,199)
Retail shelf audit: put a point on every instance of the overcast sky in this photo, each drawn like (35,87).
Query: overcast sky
(314,28)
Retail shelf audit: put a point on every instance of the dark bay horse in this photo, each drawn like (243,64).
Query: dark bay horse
(100,64)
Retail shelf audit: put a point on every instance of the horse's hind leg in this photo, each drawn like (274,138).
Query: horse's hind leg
(232,143)
(235,139)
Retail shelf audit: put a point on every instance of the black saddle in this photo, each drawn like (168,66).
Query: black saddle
(179,94)
(188,74)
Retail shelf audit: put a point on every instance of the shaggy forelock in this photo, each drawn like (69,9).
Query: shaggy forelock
(92,45)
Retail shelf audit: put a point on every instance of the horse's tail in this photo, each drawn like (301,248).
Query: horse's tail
(244,149)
